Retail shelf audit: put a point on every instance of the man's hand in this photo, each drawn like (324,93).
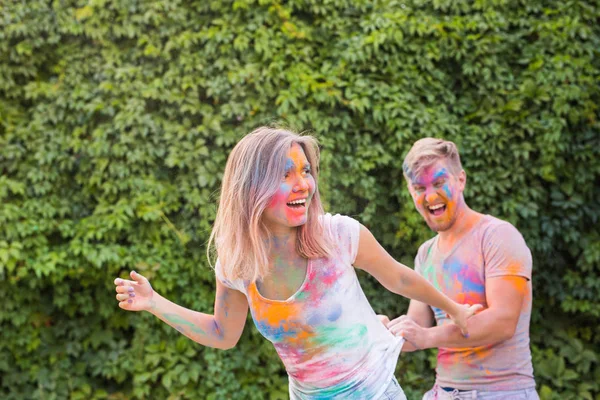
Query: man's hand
(413,333)
(408,346)
(384,319)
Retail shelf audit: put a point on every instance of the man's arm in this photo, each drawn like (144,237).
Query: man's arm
(497,323)
(421,313)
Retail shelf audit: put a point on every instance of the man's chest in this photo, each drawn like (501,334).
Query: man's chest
(460,275)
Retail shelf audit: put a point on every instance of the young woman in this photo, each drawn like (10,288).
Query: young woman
(280,255)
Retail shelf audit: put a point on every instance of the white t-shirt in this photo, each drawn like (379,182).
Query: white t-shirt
(329,338)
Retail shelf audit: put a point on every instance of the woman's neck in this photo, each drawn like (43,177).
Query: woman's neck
(283,245)
(287,268)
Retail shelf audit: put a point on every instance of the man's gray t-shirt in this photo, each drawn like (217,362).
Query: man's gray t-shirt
(493,248)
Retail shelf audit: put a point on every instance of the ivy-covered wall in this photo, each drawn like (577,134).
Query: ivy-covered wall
(116,118)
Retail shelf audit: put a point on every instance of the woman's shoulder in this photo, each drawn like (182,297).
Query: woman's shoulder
(236,284)
(338,224)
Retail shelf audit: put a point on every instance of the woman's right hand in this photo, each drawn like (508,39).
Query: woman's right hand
(135,295)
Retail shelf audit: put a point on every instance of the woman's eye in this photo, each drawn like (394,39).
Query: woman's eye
(306,171)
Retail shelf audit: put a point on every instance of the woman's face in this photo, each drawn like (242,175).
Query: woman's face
(288,208)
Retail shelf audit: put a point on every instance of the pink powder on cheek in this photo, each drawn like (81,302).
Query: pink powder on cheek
(277,204)
(311,185)
(280,197)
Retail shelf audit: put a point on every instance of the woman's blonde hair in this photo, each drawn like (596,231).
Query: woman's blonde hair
(426,152)
(253,173)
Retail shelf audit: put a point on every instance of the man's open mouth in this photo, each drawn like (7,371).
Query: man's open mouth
(437,209)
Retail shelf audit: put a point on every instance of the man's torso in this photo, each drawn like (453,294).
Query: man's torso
(461,274)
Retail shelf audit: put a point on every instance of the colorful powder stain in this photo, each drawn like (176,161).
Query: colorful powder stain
(491,249)
(327,334)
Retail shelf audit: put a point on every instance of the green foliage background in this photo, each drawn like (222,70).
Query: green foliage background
(116,118)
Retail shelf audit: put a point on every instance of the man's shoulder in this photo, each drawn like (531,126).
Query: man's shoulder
(493,225)
(425,248)
(494,221)
(505,250)
(427,244)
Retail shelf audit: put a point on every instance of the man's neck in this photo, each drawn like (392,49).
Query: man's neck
(466,219)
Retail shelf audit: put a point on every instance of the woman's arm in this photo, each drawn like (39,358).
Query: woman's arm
(400,279)
(221,330)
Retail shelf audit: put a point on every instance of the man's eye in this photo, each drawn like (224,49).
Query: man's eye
(306,171)
(418,188)
(438,185)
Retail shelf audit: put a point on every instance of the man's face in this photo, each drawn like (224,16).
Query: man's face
(437,194)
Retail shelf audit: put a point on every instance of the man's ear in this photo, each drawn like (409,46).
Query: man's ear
(462,179)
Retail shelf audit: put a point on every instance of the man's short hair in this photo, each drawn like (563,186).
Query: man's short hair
(426,152)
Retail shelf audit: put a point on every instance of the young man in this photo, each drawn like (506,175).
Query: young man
(474,258)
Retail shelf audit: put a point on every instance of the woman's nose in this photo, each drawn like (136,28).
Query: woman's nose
(301,185)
